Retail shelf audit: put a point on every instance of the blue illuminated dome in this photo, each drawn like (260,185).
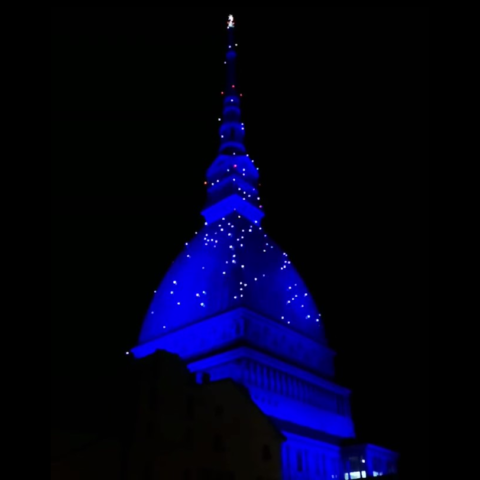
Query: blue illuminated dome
(232,263)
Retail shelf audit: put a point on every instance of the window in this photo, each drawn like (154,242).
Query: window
(218,444)
(357,475)
(150,428)
(219,411)
(148,471)
(205,474)
(266,453)
(391,467)
(190,407)
(188,438)
(153,398)
(299,461)
(377,466)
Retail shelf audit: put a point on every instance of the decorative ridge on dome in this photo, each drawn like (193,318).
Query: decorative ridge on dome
(232,179)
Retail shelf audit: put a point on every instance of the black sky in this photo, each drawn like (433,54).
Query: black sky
(336,113)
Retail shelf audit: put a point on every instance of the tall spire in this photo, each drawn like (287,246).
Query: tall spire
(231,130)
(232,179)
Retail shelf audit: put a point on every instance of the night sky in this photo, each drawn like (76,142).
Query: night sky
(336,111)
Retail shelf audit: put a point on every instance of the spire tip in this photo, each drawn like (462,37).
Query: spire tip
(231,21)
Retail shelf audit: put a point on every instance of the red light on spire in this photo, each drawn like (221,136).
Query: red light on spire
(233,86)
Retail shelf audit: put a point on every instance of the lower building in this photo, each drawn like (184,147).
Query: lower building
(366,461)
(176,426)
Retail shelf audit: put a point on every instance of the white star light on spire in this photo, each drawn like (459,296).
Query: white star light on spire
(231,21)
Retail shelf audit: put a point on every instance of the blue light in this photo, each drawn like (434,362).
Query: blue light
(247,264)
(244,333)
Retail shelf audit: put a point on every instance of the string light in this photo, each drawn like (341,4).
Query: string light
(230,235)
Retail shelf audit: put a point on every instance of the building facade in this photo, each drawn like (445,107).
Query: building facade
(195,429)
(174,426)
(233,306)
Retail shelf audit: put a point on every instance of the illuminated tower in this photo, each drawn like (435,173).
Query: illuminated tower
(234,306)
